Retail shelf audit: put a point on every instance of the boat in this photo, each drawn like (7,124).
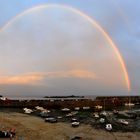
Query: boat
(44,114)
(39,108)
(132,114)
(86,108)
(102,120)
(77,108)
(74,119)
(129,104)
(122,121)
(65,109)
(27,111)
(96,116)
(71,114)
(108,127)
(77,138)
(103,113)
(98,107)
(45,111)
(75,124)
(126,115)
(59,117)
(51,120)
(115,112)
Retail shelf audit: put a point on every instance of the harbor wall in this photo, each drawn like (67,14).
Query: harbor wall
(106,102)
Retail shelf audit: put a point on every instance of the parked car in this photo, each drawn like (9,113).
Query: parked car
(51,120)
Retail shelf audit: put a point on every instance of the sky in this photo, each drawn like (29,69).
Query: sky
(55,50)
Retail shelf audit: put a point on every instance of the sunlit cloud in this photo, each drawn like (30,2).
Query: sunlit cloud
(34,78)
(20,79)
(72,73)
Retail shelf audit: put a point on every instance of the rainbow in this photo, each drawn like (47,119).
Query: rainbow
(90,20)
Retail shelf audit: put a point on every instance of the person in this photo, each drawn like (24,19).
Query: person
(13,131)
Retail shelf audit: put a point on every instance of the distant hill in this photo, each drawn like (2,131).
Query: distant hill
(70,96)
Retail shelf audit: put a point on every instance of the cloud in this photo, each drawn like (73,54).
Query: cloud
(34,78)
(72,73)
(20,79)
